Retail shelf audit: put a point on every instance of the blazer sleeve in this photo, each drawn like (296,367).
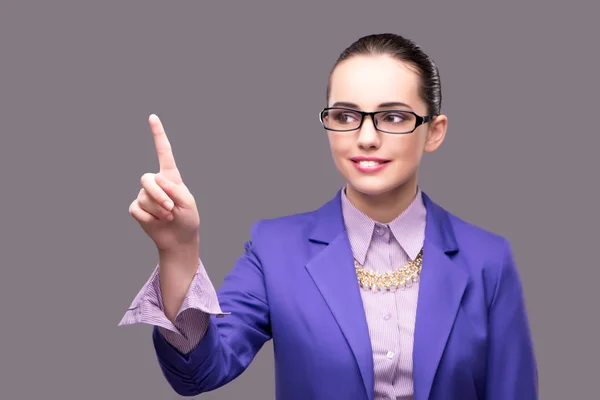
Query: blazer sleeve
(231,341)
(511,366)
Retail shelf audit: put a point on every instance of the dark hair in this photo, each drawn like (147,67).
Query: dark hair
(404,50)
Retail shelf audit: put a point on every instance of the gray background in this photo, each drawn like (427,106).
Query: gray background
(238,87)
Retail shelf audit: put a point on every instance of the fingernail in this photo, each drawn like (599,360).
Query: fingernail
(168,204)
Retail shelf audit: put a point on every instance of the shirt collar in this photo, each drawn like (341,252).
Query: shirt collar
(408,228)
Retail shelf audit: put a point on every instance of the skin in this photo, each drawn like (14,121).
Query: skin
(367,81)
(168,214)
(167,211)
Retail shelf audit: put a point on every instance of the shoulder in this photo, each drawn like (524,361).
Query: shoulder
(296,227)
(282,227)
(482,253)
(486,254)
(458,233)
(472,237)
(276,238)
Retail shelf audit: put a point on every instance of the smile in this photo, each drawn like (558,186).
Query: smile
(370,165)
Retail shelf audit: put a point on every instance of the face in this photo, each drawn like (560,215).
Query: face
(367,83)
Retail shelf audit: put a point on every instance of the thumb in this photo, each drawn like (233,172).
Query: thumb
(178,192)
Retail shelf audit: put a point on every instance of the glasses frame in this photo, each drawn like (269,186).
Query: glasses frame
(420,119)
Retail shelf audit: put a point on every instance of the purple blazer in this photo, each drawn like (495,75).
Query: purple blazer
(296,284)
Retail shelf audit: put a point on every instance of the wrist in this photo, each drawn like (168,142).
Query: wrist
(182,253)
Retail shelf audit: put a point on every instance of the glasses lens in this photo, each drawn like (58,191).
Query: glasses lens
(340,119)
(396,121)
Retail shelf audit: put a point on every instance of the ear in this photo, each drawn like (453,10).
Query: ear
(436,133)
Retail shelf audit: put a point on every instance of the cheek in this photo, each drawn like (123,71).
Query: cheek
(340,146)
(340,150)
(406,148)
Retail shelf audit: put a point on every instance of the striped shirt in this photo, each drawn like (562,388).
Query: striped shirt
(390,315)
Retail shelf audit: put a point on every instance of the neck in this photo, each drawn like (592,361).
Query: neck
(384,207)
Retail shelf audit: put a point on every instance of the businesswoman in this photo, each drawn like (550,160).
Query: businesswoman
(378,294)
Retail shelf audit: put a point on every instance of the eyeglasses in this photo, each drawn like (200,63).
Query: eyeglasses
(389,121)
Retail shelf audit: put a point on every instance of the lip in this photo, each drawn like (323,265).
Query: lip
(382,164)
(363,158)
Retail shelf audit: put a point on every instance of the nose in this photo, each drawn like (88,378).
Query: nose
(368,136)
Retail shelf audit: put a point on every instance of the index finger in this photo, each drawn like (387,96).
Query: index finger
(166,160)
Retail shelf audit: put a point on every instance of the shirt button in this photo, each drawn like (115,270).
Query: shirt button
(390,355)
(386,317)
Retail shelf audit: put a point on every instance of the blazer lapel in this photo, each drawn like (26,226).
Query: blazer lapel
(441,288)
(332,270)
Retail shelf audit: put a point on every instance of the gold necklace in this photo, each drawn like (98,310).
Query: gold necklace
(390,281)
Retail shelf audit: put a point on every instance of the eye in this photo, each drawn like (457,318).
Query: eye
(344,117)
(394,117)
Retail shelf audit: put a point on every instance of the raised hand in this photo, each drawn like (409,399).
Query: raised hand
(164,207)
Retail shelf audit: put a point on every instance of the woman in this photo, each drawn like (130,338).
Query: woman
(378,294)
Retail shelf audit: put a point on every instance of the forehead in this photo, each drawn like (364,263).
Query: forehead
(369,80)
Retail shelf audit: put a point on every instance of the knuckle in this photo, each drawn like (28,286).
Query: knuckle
(135,214)
(142,195)
(147,177)
(151,207)
(164,149)
(145,204)
(132,206)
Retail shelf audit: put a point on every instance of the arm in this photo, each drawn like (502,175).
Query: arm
(511,366)
(231,342)
(167,211)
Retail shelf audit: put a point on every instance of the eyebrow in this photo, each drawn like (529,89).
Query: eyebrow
(382,105)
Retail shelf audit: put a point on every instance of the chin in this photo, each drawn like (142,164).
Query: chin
(374,188)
